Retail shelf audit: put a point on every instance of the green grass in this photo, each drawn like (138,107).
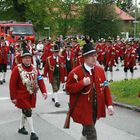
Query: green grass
(126,91)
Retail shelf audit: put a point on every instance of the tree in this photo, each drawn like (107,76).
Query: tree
(65,15)
(23,10)
(100,20)
(126,5)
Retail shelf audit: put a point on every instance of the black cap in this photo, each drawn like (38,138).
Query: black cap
(88,49)
(55,48)
(68,45)
(25,52)
(2,38)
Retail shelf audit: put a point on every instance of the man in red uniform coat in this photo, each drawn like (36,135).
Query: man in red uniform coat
(55,67)
(4,50)
(89,83)
(129,60)
(110,59)
(100,52)
(24,83)
(46,51)
(69,57)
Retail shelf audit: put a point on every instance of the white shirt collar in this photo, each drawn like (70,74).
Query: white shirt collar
(56,57)
(88,68)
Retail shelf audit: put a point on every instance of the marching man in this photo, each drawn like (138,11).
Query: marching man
(4,50)
(25,81)
(55,68)
(89,93)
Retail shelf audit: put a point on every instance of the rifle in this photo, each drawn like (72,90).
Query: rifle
(67,121)
(69,113)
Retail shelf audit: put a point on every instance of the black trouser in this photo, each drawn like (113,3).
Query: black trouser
(110,68)
(68,66)
(131,69)
(116,60)
(3,67)
(100,62)
(27,112)
(56,80)
(121,58)
(89,132)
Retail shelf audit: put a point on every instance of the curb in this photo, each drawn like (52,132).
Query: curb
(134,108)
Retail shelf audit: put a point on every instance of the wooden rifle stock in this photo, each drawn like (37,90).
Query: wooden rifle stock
(69,113)
(67,121)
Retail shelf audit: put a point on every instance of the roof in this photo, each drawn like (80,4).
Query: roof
(123,15)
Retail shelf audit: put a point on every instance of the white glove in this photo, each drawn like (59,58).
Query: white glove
(110,110)
(45,96)
(65,78)
(14,101)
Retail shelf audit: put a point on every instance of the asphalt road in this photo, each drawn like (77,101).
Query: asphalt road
(49,121)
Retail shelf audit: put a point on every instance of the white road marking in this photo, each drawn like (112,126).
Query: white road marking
(59,92)
(4,98)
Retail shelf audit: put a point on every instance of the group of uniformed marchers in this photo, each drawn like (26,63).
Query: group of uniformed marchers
(77,63)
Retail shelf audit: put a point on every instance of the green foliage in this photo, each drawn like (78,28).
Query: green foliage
(100,20)
(126,91)
(23,10)
(65,17)
(126,5)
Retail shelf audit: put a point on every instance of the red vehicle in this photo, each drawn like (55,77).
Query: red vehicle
(12,28)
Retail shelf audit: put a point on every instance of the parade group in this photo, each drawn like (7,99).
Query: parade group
(62,61)
(110,53)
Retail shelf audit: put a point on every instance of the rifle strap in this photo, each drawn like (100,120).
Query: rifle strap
(77,97)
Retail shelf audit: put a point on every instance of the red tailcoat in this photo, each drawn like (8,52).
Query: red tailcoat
(100,52)
(19,91)
(50,66)
(17,60)
(80,60)
(110,56)
(130,58)
(6,51)
(76,50)
(71,57)
(121,49)
(46,52)
(83,111)
(117,48)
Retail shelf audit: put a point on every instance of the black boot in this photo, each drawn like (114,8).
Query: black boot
(23,131)
(57,104)
(4,81)
(53,99)
(1,82)
(34,136)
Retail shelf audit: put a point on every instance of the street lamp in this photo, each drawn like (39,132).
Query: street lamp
(47,28)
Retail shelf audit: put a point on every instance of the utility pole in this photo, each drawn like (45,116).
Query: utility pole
(135,22)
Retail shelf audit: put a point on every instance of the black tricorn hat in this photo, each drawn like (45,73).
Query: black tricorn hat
(25,52)
(68,45)
(55,48)
(88,49)
(2,38)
